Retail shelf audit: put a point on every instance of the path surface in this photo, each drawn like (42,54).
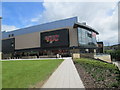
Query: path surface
(33,59)
(66,76)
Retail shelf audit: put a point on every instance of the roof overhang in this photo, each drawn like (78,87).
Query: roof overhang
(85,27)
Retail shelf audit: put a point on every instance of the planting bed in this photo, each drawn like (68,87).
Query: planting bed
(97,74)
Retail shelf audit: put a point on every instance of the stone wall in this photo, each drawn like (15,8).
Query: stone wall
(106,58)
(87,55)
(75,55)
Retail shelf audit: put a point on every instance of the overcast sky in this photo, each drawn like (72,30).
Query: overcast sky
(103,16)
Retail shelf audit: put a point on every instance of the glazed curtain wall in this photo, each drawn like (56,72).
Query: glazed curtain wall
(86,37)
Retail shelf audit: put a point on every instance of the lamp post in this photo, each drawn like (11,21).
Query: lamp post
(0,40)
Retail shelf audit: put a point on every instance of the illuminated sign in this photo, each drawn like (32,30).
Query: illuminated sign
(56,38)
(52,38)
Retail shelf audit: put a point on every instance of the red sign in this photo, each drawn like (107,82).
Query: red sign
(93,34)
(52,38)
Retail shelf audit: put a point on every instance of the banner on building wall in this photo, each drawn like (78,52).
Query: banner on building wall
(56,38)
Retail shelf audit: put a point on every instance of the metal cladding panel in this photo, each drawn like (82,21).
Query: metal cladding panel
(73,37)
(57,38)
(31,40)
(47,26)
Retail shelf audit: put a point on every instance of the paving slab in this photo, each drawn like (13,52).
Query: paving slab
(65,76)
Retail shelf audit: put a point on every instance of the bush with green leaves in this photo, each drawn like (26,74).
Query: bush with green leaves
(115,54)
(100,71)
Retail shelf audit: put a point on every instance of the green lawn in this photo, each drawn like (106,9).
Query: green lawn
(24,73)
(107,73)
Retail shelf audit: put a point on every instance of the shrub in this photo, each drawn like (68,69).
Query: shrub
(101,71)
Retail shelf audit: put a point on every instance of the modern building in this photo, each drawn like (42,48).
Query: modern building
(64,37)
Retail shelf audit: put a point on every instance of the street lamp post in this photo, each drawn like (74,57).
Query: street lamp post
(0,40)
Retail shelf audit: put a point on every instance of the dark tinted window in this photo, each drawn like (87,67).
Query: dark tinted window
(8,45)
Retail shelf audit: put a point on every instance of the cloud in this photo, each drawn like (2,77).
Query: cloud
(108,27)
(102,16)
(36,19)
(8,28)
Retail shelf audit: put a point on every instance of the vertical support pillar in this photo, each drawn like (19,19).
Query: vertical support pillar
(0,55)
(94,52)
(0,40)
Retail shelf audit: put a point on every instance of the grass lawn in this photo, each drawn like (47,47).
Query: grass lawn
(24,73)
(103,73)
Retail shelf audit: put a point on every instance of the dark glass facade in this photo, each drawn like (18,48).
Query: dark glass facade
(56,38)
(8,45)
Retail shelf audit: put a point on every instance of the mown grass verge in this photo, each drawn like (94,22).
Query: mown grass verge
(108,75)
(25,73)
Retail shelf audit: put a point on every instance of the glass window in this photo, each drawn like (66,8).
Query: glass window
(12,35)
(86,37)
(9,35)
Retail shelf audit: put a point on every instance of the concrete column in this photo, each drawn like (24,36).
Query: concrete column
(0,55)
(94,51)
(0,40)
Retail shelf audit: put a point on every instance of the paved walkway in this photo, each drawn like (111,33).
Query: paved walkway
(33,59)
(66,76)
